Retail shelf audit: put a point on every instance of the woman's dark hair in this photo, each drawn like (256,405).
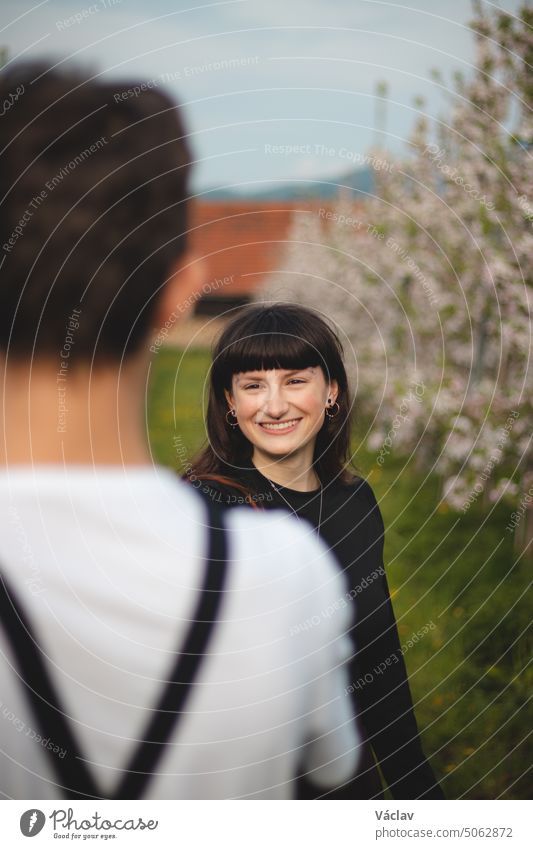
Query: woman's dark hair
(285,336)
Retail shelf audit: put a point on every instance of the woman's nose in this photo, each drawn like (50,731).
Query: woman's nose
(275,404)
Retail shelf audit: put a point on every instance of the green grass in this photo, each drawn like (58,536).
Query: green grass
(469,675)
(175,405)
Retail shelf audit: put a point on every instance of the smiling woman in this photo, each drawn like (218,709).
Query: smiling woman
(280,412)
(278,422)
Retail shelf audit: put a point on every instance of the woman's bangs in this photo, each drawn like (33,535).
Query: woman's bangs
(264,351)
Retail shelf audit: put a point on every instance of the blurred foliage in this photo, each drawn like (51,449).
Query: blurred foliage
(471,675)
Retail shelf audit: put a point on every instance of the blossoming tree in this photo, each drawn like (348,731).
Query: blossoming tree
(429,280)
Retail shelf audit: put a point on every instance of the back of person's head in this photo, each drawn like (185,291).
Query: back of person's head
(93,189)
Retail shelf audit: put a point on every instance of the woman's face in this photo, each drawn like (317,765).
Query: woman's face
(280,411)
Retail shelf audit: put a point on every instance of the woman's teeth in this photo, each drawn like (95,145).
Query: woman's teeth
(278,425)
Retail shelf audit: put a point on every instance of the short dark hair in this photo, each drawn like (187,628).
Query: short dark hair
(285,336)
(93,181)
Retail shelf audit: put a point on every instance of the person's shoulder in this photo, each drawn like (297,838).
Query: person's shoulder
(274,528)
(280,546)
(232,492)
(218,491)
(357,490)
(356,485)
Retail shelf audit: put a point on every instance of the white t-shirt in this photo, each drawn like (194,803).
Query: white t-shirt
(108,564)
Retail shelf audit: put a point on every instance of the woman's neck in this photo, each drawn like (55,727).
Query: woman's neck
(293,472)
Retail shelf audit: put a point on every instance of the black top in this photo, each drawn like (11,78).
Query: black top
(352,526)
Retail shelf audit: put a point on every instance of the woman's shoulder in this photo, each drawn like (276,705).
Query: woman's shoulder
(223,490)
(358,490)
(357,485)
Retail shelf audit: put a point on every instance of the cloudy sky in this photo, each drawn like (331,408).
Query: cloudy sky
(273,89)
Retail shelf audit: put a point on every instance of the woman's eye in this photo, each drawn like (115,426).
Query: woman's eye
(252,386)
(296,380)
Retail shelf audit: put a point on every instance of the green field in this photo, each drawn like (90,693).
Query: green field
(471,676)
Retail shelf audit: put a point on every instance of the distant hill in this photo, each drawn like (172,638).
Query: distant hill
(359,181)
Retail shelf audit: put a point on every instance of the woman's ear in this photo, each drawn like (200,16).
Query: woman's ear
(333,390)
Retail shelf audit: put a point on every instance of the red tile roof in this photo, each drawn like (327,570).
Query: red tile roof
(242,240)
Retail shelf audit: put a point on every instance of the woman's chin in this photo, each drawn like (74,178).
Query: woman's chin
(278,451)
(278,448)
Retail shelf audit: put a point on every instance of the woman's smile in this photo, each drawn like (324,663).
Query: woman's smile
(280,428)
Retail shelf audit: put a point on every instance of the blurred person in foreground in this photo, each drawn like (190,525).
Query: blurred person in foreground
(147,647)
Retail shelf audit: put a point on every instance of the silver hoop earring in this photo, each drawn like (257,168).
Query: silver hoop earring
(232,424)
(330,413)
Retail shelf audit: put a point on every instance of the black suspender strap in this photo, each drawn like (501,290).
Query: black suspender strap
(46,706)
(72,770)
(171,704)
